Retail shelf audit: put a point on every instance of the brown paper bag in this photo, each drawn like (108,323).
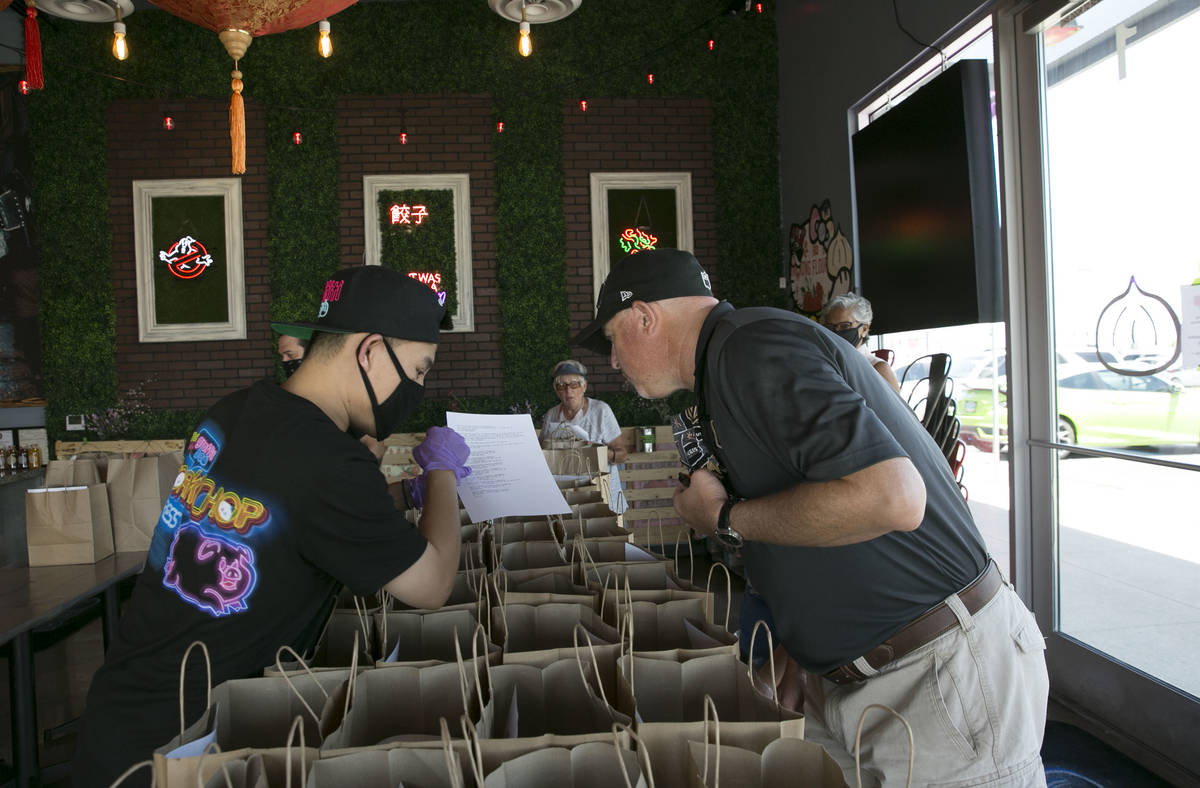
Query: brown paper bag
(137,488)
(565,697)
(411,636)
(72,473)
(67,525)
(540,627)
(389,766)
(398,702)
(244,767)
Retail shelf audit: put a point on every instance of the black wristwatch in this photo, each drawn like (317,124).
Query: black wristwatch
(724,533)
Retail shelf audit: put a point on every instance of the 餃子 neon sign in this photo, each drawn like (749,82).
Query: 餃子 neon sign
(634,240)
(434,280)
(402,213)
(187,258)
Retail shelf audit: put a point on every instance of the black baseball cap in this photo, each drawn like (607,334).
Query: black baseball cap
(653,275)
(375,300)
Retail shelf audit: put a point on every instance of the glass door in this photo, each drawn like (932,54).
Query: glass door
(1113,420)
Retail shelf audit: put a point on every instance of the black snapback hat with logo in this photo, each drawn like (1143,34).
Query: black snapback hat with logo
(375,300)
(653,275)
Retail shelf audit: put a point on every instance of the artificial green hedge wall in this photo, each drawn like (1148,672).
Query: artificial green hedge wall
(450,46)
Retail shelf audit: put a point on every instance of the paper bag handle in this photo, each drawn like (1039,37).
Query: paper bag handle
(139,765)
(709,703)
(291,686)
(595,663)
(691,556)
(642,750)
(297,725)
(463,684)
(771,652)
(212,748)
(858,741)
(183,674)
(604,596)
(728,588)
(627,624)
(353,680)
(453,767)
(474,750)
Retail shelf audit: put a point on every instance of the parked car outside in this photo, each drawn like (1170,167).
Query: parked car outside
(1097,407)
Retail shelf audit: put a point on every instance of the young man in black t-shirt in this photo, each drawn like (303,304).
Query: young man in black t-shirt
(276,507)
(850,526)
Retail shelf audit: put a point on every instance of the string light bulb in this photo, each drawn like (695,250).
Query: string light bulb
(168,123)
(120,48)
(24,86)
(500,127)
(650,78)
(525,45)
(297,137)
(758,7)
(711,44)
(324,43)
(404,138)
(583,105)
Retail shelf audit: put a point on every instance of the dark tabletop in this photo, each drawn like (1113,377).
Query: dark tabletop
(30,596)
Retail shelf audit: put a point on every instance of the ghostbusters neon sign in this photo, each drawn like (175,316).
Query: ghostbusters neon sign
(187,258)
(634,240)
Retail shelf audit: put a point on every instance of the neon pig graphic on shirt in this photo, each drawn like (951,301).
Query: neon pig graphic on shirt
(209,572)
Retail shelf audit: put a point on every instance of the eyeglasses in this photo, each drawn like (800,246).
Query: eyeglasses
(572,385)
(841,326)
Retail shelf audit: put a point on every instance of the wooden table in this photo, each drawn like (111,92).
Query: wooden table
(31,597)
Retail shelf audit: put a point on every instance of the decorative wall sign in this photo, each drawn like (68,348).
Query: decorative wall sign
(636,211)
(188,248)
(407,214)
(634,240)
(822,262)
(187,258)
(1141,322)
(421,225)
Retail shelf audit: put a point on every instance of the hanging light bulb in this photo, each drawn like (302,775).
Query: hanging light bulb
(525,45)
(297,137)
(324,43)
(583,105)
(711,44)
(168,123)
(500,127)
(650,78)
(120,49)
(24,86)
(758,7)
(404,138)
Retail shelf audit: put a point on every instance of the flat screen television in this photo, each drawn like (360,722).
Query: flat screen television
(926,220)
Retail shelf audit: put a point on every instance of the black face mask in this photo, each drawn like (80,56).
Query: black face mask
(851,335)
(402,403)
(290,366)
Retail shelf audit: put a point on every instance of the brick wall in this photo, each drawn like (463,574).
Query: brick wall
(187,374)
(446,134)
(631,135)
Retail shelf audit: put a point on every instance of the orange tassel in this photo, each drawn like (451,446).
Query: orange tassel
(237,123)
(33,48)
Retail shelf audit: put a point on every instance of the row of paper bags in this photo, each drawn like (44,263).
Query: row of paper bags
(80,516)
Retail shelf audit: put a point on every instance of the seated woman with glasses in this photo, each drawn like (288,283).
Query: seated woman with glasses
(578,415)
(849,316)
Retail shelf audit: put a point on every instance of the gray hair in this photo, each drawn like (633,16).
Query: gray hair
(858,306)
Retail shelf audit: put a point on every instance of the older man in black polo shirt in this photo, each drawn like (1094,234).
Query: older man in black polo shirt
(850,526)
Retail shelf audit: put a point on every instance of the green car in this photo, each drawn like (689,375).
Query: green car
(1097,407)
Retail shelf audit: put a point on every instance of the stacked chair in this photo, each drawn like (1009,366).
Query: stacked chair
(933,402)
(566,655)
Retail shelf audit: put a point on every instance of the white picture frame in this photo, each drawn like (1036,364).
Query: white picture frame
(459,184)
(602,182)
(151,326)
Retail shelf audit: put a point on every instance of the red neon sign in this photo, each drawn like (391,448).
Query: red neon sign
(407,214)
(634,240)
(187,258)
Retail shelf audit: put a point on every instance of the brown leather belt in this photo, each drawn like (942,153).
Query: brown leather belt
(934,622)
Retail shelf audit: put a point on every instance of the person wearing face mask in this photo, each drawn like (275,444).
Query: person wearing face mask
(291,352)
(277,506)
(849,316)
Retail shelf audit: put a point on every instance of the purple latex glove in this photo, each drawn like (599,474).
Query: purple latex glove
(414,490)
(443,450)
